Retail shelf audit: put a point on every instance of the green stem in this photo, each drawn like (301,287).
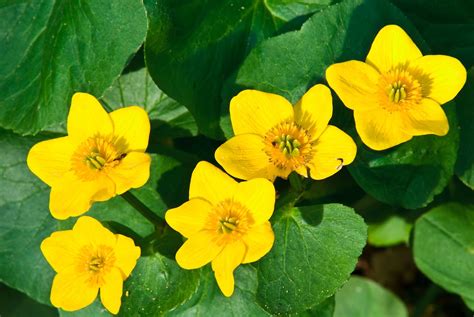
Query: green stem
(429,297)
(142,209)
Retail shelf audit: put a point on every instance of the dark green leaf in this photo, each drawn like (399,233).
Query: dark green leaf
(168,117)
(444,248)
(316,249)
(193,46)
(51,49)
(209,301)
(465,109)
(16,304)
(361,297)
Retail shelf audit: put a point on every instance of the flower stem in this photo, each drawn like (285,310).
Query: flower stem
(142,209)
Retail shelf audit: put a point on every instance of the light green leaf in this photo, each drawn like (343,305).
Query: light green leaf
(389,232)
(443,246)
(361,297)
(51,49)
(193,46)
(316,249)
(168,117)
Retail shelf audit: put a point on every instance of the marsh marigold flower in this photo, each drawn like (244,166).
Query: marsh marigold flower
(272,138)
(396,94)
(102,156)
(87,259)
(225,223)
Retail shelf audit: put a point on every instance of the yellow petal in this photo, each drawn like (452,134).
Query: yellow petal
(126,254)
(51,159)
(60,250)
(200,249)
(355,83)
(131,127)
(259,241)
(210,183)
(332,150)
(441,77)
(381,129)
(225,264)
(71,291)
(133,171)
(71,196)
(243,157)
(111,291)
(88,230)
(190,217)
(253,111)
(87,117)
(258,195)
(391,48)
(427,118)
(314,110)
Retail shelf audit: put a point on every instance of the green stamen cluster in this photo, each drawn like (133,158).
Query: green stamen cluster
(288,145)
(397,91)
(96,264)
(228,224)
(95,161)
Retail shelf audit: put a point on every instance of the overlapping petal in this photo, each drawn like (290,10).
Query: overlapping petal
(426,118)
(71,291)
(380,129)
(51,159)
(225,264)
(333,149)
(441,77)
(126,254)
(72,196)
(131,128)
(258,195)
(200,249)
(355,83)
(133,171)
(392,48)
(314,110)
(87,117)
(259,242)
(210,183)
(190,217)
(253,111)
(243,156)
(60,250)
(111,291)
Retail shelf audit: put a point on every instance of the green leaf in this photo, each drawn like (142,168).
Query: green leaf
(168,117)
(361,297)
(465,109)
(209,301)
(16,304)
(446,25)
(389,232)
(444,248)
(193,46)
(316,249)
(411,174)
(51,49)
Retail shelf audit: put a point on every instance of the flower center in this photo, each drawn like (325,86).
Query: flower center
(230,220)
(288,146)
(96,261)
(399,90)
(96,154)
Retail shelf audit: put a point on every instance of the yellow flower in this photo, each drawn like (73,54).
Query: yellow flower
(102,156)
(88,258)
(224,221)
(396,94)
(273,139)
